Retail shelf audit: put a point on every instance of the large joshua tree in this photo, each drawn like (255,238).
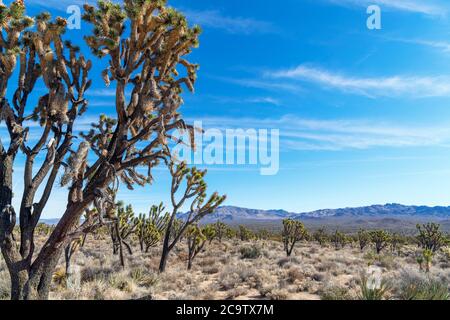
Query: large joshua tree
(145,44)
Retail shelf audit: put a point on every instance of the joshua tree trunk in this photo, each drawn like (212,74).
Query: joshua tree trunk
(165,253)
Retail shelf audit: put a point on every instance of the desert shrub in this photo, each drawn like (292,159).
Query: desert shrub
(386,261)
(234,275)
(414,286)
(335,293)
(325,266)
(4,285)
(211,270)
(294,274)
(278,294)
(207,262)
(446,252)
(94,273)
(60,277)
(236,292)
(251,252)
(273,290)
(143,278)
(371,258)
(283,261)
(122,282)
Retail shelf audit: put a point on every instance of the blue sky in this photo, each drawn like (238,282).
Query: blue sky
(364,115)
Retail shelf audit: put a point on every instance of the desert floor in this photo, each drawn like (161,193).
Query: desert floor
(222,272)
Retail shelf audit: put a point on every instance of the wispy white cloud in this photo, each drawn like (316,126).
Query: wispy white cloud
(231,24)
(244,100)
(265,84)
(397,85)
(311,134)
(426,7)
(443,46)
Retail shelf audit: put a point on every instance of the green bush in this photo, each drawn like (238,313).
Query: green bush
(252,252)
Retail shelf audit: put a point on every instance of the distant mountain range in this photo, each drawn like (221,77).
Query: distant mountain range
(233,214)
(392,214)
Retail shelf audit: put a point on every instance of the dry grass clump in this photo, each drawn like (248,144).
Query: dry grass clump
(294,274)
(335,293)
(412,285)
(5,283)
(285,260)
(233,275)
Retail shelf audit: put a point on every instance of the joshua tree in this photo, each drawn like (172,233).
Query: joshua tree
(430,237)
(396,241)
(196,241)
(293,231)
(380,239)
(245,234)
(194,191)
(428,258)
(363,239)
(263,234)
(150,229)
(120,231)
(143,59)
(321,236)
(339,240)
(70,251)
(43,229)
(221,230)
(209,232)
(231,233)
(77,243)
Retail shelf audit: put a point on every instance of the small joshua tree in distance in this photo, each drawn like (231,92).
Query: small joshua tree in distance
(430,237)
(380,239)
(339,239)
(293,231)
(209,231)
(363,239)
(196,240)
(321,236)
(244,233)
(221,230)
(150,229)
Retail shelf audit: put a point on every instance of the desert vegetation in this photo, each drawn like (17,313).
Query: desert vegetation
(203,266)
